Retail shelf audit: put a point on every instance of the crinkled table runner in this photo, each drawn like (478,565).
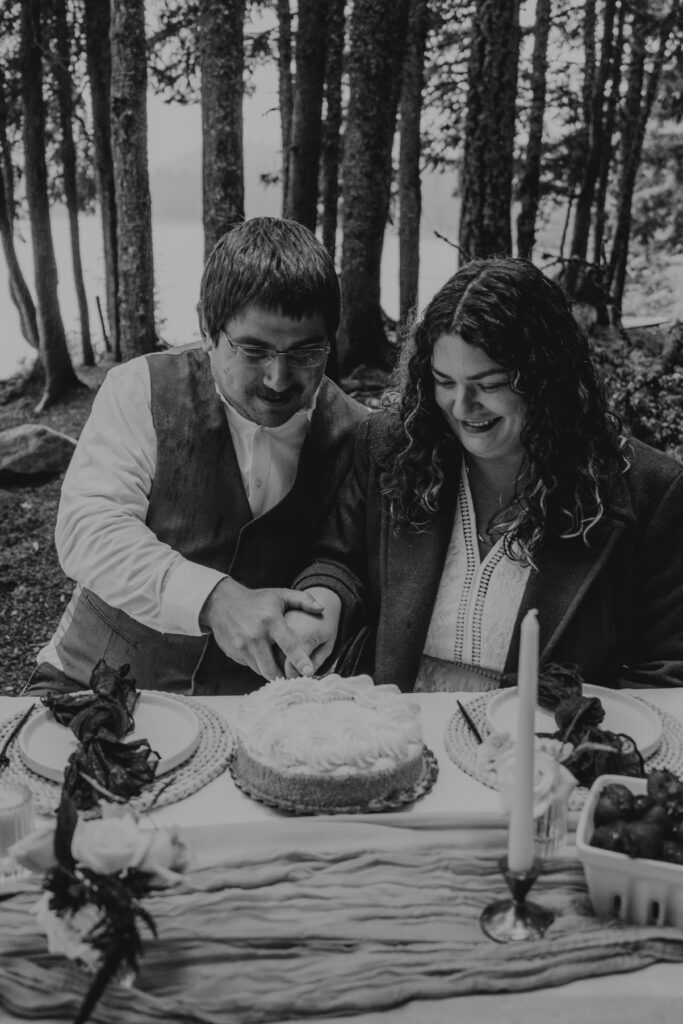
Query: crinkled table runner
(316,916)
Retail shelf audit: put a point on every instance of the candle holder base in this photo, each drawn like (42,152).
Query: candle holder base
(516,920)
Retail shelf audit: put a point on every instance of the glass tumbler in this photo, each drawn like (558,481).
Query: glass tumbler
(16,820)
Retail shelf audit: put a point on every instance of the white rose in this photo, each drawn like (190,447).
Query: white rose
(106,846)
(159,851)
(67,933)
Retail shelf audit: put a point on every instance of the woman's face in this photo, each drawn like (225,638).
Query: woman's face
(474,394)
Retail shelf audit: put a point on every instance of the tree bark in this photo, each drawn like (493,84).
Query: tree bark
(409,185)
(595,84)
(54,353)
(62,74)
(638,107)
(221,60)
(96,23)
(486,192)
(284,64)
(331,139)
(18,289)
(378,31)
(607,153)
(131,178)
(304,153)
(531,176)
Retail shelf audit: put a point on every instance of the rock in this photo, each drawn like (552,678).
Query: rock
(31,452)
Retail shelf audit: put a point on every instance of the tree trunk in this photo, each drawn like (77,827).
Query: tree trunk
(486,192)
(378,31)
(221,60)
(531,175)
(131,178)
(607,153)
(18,289)
(636,115)
(304,153)
(284,63)
(331,140)
(96,23)
(596,81)
(409,186)
(62,73)
(54,353)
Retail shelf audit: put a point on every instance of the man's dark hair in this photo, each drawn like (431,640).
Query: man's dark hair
(277,264)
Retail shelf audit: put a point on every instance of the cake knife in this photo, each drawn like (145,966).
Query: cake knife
(470,724)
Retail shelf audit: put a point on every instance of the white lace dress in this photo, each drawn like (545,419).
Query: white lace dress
(475,610)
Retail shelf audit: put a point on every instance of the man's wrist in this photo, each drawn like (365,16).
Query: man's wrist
(225,585)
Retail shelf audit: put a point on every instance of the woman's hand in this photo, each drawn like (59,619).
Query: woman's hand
(316,634)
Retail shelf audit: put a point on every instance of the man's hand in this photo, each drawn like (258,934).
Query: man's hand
(316,634)
(248,623)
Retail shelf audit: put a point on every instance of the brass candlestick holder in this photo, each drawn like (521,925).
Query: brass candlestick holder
(516,920)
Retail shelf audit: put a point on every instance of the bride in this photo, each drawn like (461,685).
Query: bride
(496,480)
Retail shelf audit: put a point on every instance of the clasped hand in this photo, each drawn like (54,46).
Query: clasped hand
(253,627)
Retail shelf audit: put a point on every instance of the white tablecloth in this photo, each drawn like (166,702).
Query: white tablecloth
(654,994)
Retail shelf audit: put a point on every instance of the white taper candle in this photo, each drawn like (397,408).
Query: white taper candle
(521,831)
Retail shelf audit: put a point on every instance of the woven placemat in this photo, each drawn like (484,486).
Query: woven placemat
(408,795)
(461,746)
(208,761)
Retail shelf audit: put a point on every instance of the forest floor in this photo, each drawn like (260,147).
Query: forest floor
(33,588)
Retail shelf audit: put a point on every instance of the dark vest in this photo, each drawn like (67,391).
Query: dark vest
(198,507)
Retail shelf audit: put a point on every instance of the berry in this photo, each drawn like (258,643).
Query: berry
(615,802)
(646,840)
(671,852)
(656,815)
(614,837)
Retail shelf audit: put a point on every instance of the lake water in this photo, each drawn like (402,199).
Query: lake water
(178,255)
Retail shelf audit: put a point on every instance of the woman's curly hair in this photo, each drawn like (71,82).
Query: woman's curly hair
(573,444)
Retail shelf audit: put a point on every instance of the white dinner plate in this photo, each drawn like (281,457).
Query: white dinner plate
(623,713)
(170,726)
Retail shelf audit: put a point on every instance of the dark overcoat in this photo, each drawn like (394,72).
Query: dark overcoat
(614,607)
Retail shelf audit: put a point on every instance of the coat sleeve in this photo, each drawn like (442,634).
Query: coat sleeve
(656,657)
(340,558)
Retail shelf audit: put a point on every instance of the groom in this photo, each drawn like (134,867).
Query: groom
(202,478)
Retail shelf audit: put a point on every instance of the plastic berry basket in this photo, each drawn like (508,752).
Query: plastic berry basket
(634,889)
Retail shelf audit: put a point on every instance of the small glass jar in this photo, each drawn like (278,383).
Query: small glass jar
(17,819)
(552,785)
(550,827)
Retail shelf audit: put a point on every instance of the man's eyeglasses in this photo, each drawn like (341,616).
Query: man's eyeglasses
(264,355)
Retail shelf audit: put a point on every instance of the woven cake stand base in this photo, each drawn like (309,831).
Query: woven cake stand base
(209,760)
(461,746)
(393,802)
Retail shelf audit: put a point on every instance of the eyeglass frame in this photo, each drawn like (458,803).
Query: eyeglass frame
(270,354)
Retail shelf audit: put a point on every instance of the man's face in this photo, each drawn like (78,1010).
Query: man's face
(267,393)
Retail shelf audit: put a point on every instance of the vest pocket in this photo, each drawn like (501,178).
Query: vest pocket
(114,619)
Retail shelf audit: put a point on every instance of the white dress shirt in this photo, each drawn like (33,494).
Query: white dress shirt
(101,536)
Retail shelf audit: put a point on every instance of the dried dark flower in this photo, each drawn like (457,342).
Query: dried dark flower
(557,682)
(100,720)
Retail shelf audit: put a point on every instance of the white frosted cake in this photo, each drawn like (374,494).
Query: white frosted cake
(327,744)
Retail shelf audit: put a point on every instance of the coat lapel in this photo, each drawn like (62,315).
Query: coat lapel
(414,563)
